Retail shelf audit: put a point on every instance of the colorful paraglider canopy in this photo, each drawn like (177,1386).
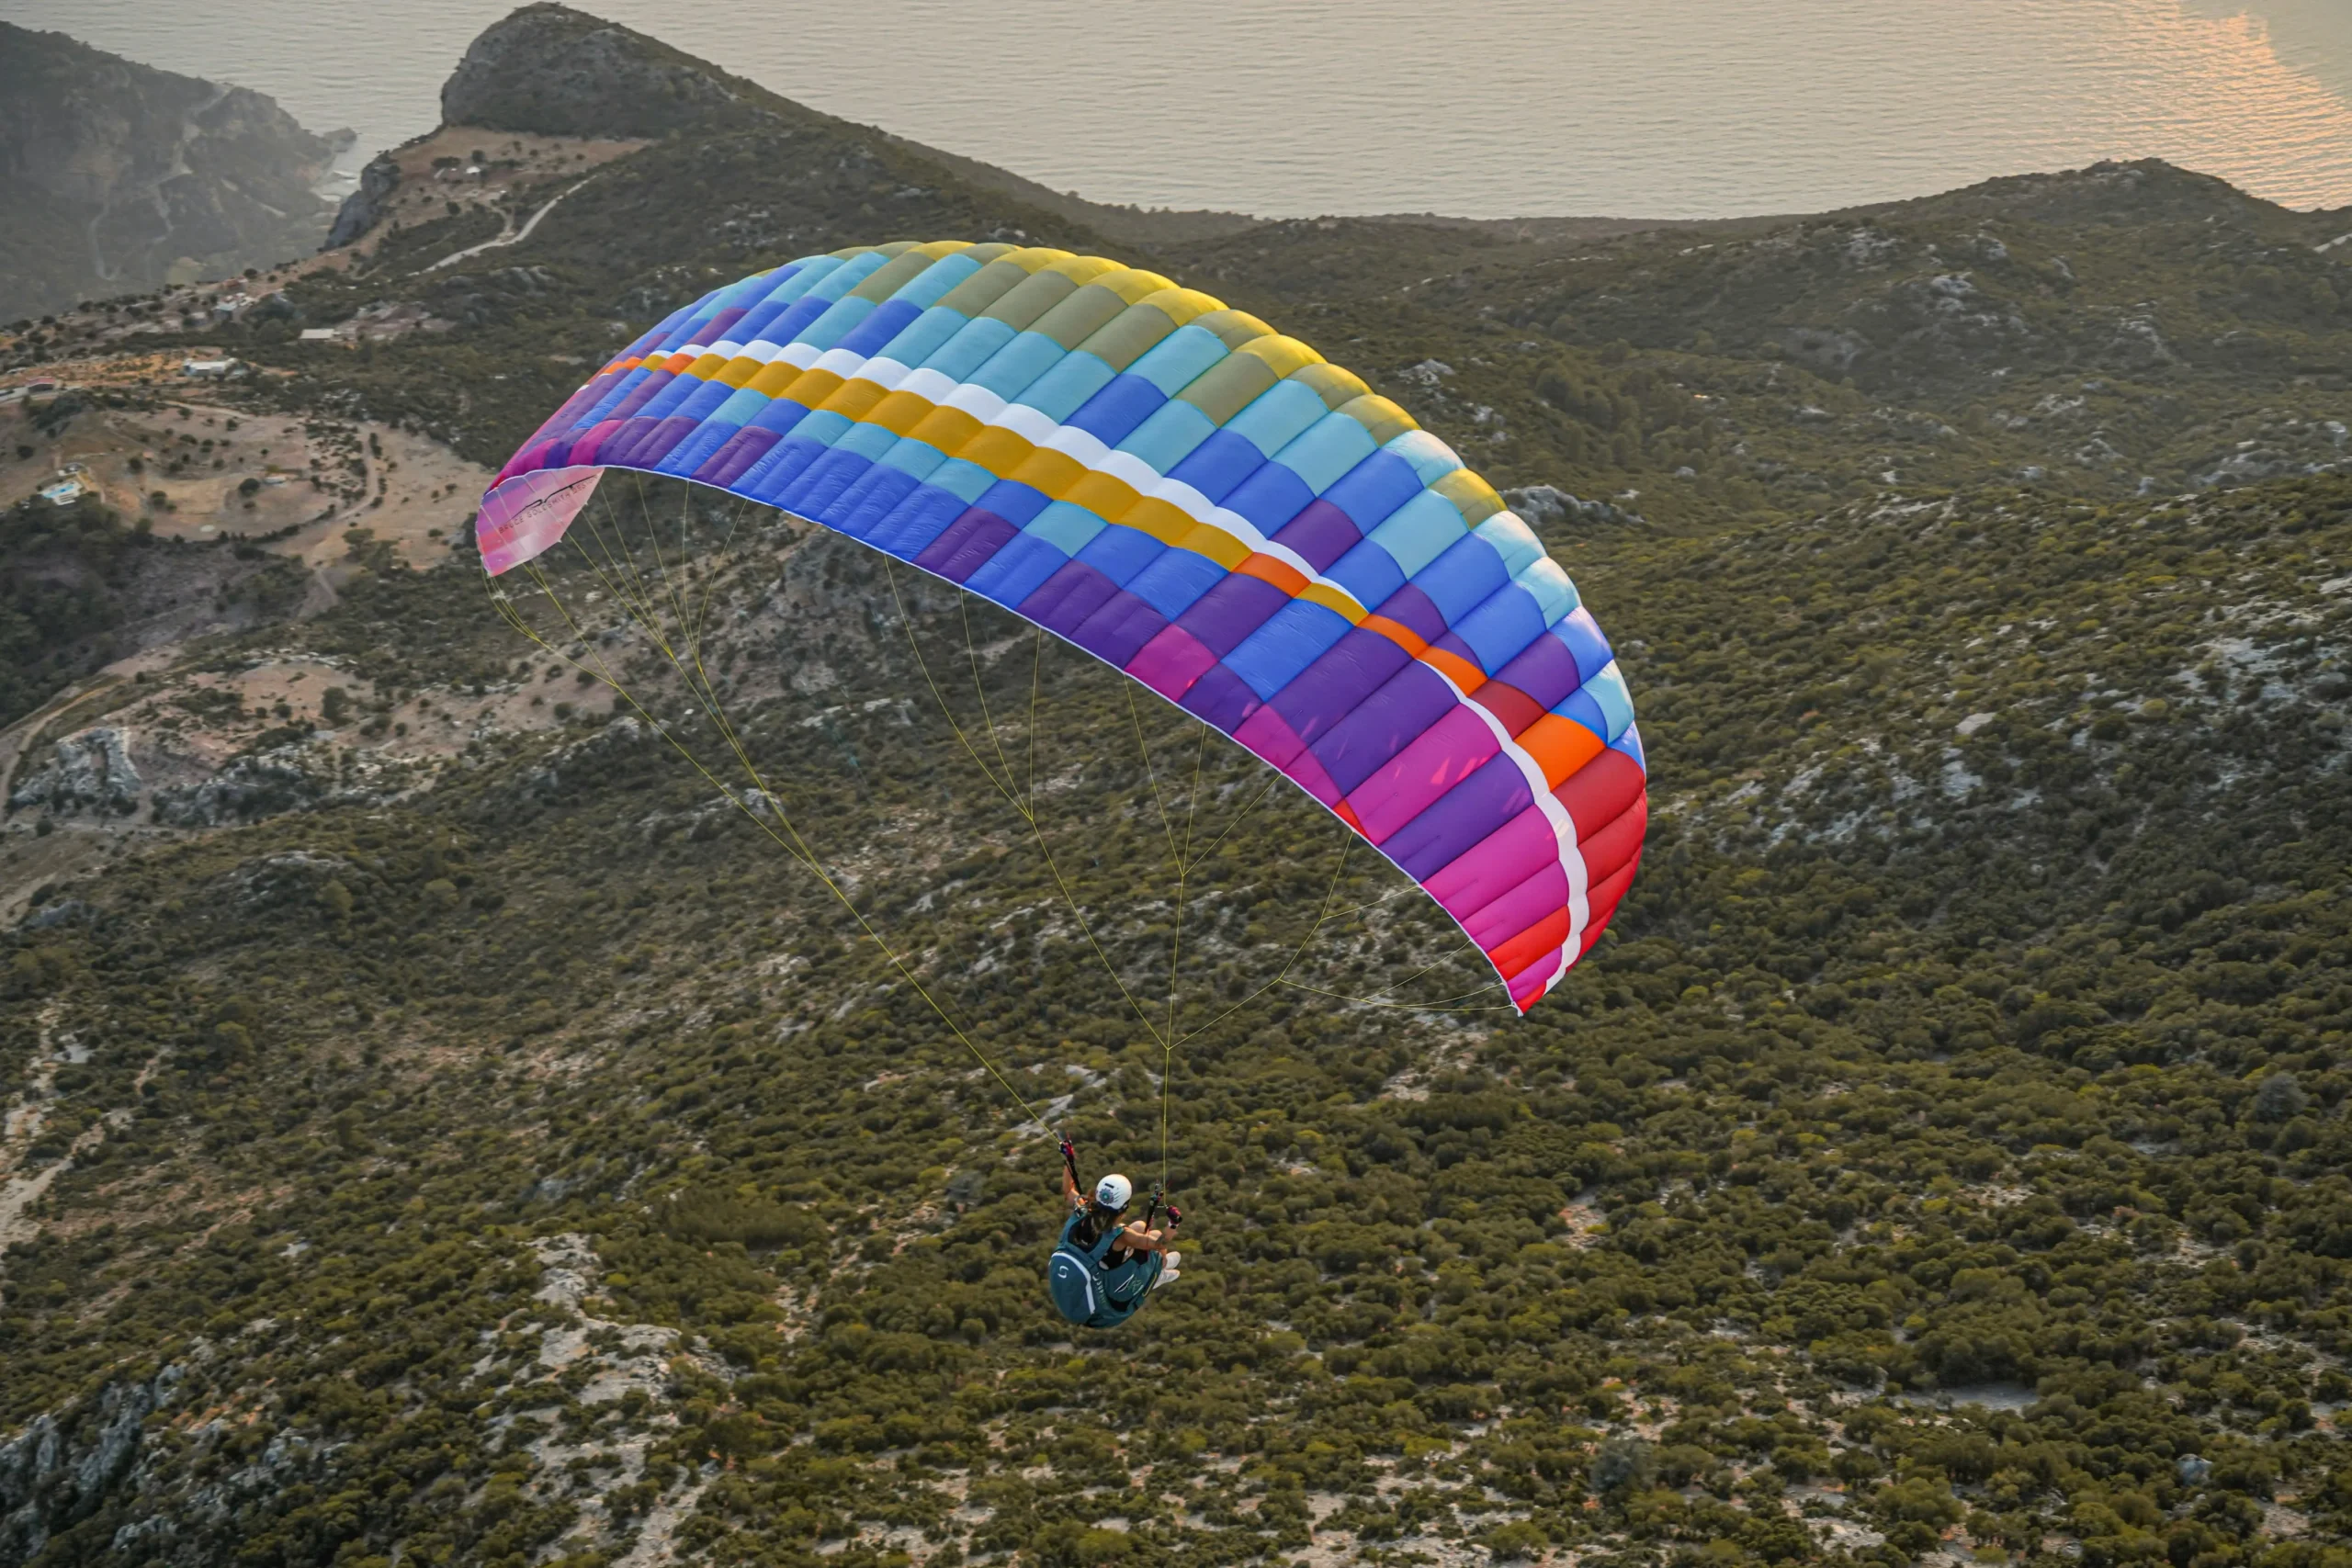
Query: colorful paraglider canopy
(1198,500)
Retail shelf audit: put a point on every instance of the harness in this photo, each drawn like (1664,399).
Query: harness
(1088,1288)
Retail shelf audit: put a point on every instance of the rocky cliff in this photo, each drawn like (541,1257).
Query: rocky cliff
(115,177)
(563,73)
(364,206)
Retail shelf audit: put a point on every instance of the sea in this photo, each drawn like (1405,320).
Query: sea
(1483,108)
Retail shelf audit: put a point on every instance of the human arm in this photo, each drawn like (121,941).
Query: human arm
(1136,1238)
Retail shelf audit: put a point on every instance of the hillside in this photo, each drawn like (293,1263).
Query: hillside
(115,177)
(532,1142)
(451,1128)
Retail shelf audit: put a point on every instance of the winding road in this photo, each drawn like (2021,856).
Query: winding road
(516,238)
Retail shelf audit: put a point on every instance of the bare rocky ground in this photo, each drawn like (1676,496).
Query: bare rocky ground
(185,745)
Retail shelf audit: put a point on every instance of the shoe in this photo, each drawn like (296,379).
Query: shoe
(1167,1273)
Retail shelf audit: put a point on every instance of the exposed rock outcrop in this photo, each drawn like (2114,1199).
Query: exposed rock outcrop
(58,1472)
(297,777)
(246,790)
(1547,505)
(90,770)
(364,208)
(559,72)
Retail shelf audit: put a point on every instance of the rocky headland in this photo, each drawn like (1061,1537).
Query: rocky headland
(117,178)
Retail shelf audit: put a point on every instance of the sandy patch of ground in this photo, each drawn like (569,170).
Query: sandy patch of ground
(1586,1224)
(132,367)
(197,470)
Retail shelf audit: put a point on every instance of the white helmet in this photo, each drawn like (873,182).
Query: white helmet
(1112,1192)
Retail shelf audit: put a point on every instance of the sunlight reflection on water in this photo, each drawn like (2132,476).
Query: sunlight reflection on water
(1482,107)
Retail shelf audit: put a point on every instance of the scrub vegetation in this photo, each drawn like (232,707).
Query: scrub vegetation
(1952,1142)
(1944,1158)
(61,597)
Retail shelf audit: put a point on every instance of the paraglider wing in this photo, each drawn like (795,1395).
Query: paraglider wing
(1188,495)
(521,518)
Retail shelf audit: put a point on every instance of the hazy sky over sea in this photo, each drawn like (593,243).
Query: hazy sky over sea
(1481,108)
